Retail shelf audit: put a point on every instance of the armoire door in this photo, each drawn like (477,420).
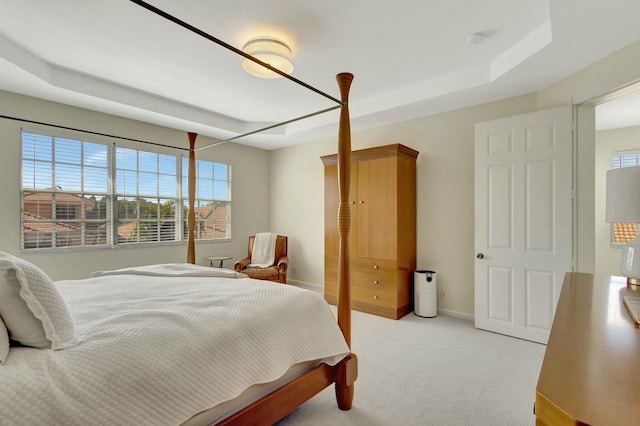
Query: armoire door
(331,201)
(377,209)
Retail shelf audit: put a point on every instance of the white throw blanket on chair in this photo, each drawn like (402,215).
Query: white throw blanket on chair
(264,250)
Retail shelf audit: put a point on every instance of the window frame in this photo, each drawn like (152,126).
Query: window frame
(143,197)
(111,196)
(47,157)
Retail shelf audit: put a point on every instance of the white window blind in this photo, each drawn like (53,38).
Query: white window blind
(212,203)
(146,196)
(625,159)
(64,192)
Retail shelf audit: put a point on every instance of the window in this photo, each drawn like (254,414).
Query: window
(79,194)
(212,203)
(623,233)
(146,196)
(64,191)
(625,159)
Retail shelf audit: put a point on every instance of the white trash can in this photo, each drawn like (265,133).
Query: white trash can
(425,299)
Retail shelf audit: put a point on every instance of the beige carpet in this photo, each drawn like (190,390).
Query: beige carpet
(432,371)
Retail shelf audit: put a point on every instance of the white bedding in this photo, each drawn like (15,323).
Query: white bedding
(157,349)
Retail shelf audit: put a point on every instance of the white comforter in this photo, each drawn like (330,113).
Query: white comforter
(156,349)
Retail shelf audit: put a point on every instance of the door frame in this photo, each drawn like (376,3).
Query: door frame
(585,178)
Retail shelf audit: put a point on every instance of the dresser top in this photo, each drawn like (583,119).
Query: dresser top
(591,367)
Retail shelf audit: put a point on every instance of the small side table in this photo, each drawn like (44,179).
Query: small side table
(220,259)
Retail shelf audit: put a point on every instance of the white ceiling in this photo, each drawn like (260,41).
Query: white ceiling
(409,58)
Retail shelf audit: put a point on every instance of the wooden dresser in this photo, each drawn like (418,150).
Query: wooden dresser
(382,239)
(591,369)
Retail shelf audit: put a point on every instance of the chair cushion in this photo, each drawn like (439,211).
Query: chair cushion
(270,273)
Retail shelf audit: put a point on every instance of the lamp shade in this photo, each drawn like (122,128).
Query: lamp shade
(623,195)
(271,51)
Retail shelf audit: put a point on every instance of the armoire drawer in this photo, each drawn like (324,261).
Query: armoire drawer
(371,273)
(374,274)
(377,297)
(363,270)
(363,264)
(374,280)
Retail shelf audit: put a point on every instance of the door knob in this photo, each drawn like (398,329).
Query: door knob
(480,255)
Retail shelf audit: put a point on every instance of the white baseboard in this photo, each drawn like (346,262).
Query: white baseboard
(456,314)
(319,288)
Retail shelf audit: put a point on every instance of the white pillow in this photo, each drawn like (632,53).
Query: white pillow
(33,310)
(4,342)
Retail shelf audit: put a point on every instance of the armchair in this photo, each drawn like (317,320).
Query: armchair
(277,272)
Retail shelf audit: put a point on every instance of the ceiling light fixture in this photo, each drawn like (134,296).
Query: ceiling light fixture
(475,38)
(271,51)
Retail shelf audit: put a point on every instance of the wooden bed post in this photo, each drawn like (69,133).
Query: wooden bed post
(286,398)
(191,215)
(344,210)
(347,370)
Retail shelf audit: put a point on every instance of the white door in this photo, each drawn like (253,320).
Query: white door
(523,221)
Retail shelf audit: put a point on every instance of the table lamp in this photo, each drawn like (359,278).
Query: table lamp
(623,206)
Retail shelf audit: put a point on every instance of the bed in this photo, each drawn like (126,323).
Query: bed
(73,382)
(153,344)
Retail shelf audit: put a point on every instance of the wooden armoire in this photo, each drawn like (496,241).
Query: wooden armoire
(382,239)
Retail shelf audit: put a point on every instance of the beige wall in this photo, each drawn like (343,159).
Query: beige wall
(605,76)
(283,190)
(445,173)
(608,142)
(250,208)
(445,180)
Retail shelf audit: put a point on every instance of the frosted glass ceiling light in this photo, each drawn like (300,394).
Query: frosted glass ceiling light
(271,51)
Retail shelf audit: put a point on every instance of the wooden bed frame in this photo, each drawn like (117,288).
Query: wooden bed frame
(289,396)
(286,398)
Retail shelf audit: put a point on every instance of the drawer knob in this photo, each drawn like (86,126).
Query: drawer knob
(375,266)
(375,297)
(376,282)
(361,202)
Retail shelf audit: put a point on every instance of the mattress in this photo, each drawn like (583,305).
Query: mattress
(158,345)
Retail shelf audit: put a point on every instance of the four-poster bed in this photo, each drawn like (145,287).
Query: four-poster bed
(287,397)
(282,401)
(297,385)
